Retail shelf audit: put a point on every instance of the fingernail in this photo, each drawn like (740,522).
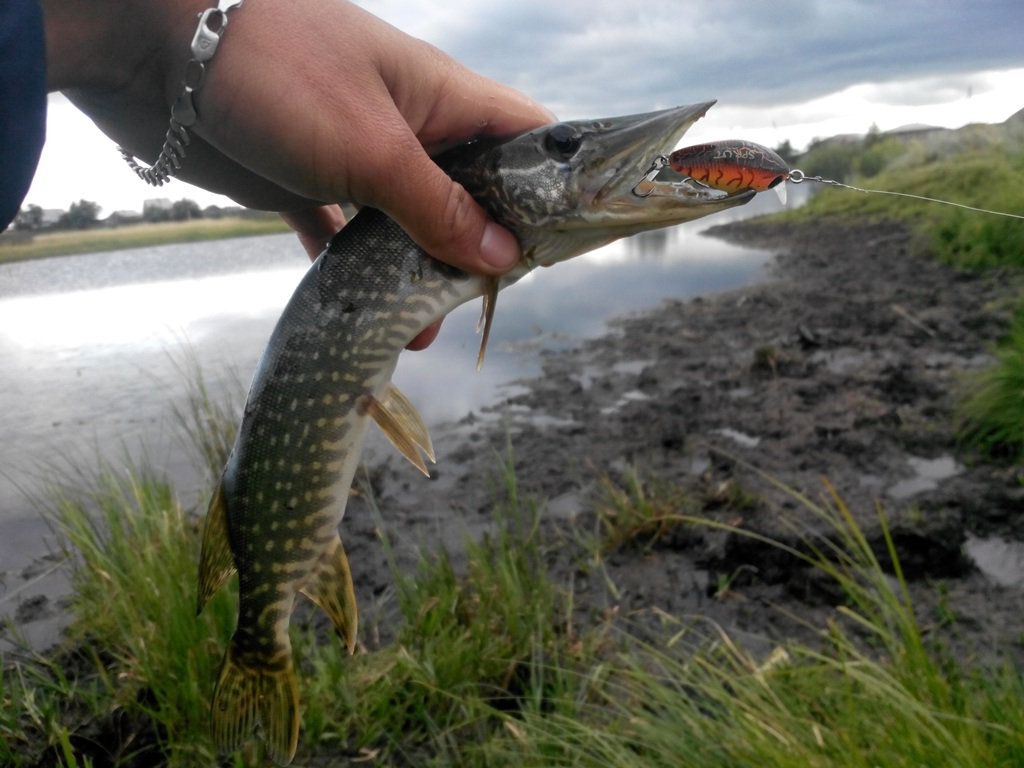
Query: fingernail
(498,247)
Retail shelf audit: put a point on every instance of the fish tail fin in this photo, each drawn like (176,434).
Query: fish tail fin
(249,696)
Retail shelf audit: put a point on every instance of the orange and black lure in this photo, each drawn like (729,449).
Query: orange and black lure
(731,166)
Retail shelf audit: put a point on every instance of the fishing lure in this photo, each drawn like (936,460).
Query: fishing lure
(732,166)
(735,165)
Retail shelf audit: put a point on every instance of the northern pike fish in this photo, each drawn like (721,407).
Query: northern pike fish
(563,190)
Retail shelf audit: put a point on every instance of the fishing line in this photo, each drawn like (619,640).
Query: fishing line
(736,165)
(798,177)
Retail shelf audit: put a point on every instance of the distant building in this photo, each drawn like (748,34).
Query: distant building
(50,217)
(912,131)
(839,140)
(122,218)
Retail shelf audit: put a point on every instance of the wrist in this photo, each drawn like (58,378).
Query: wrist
(212,24)
(107,44)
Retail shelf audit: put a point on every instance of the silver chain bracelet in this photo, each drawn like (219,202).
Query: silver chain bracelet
(183,113)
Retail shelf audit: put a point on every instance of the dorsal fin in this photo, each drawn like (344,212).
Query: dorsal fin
(403,426)
(487,317)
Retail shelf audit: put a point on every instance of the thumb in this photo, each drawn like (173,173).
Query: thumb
(444,219)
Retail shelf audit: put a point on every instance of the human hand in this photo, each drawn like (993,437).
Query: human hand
(306,103)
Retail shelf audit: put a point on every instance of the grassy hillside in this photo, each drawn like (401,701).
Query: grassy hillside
(980,166)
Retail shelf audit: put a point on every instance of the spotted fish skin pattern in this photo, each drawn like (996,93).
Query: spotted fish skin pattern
(306,416)
(307,413)
(562,190)
(283,492)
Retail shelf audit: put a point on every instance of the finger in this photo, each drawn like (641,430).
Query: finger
(426,337)
(315,226)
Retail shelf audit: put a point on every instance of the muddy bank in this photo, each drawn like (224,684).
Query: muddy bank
(844,365)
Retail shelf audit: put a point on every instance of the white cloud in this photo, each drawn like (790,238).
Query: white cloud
(799,69)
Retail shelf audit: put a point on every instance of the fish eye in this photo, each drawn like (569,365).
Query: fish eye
(562,141)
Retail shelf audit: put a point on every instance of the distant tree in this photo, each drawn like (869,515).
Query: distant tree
(786,152)
(29,218)
(156,214)
(185,209)
(874,135)
(81,215)
(878,155)
(830,159)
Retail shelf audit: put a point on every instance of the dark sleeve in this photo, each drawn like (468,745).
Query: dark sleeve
(22,101)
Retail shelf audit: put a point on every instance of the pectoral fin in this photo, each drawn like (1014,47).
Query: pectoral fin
(486,318)
(403,426)
(216,563)
(330,587)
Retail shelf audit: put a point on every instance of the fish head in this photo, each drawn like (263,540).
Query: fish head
(567,188)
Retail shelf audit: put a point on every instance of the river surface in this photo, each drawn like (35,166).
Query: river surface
(94,351)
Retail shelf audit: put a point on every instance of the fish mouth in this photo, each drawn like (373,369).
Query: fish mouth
(638,191)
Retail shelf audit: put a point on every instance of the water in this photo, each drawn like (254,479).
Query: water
(1002,560)
(93,348)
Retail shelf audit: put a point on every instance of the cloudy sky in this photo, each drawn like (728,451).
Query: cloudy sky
(787,69)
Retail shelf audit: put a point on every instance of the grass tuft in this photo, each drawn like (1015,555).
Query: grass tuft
(473,643)
(991,409)
(134,553)
(711,703)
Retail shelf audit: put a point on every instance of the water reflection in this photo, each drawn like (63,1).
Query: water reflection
(141,315)
(1002,560)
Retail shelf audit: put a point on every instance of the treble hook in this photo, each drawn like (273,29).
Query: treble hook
(660,162)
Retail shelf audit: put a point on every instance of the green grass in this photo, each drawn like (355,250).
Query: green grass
(979,169)
(991,411)
(471,644)
(707,702)
(137,236)
(143,656)
(488,667)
